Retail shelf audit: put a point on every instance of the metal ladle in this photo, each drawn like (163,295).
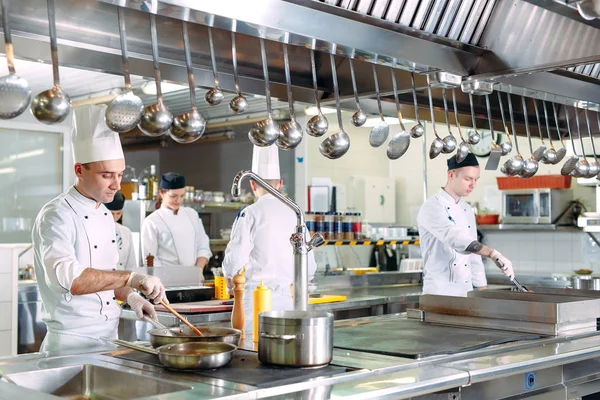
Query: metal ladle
(505,147)
(550,154)
(359,117)
(188,127)
(562,152)
(337,144)
(530,165)
(463,148)
(239,103)
(156,118)
(450,140)
(594,165)
(541,150)
(418,130)
(379,133)
(513,165)
(291,131)
(214,96)
(569,165)
(318,124)
(474,136)
(15,93)
(438,144)
(399,143)
(582,167)
(53,105)
(265,132)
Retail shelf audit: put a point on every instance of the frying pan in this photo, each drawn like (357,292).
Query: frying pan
(187,356)
(165,336)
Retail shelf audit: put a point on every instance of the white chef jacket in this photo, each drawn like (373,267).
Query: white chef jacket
(446,228)
(69,235)
(260,242)
(127,259)
(175,239)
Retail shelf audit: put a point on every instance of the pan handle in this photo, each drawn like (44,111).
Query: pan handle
(299,336)
(130,345)
(154,322)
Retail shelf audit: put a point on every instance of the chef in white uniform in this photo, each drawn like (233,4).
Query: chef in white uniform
(124,236)
(75,251)
(174,234)
(260,240)
(448,236)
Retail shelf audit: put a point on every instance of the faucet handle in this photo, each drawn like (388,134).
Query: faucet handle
(316,241)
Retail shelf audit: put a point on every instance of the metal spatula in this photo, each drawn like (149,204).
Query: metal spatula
(494,158)
(520,287)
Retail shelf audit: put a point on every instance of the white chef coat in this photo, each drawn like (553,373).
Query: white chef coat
(69,235)
(127,259)
(175,239)
(260,242)
(446,228)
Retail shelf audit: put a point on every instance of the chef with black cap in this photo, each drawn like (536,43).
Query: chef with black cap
(174,234)
(124,236)
(448,236)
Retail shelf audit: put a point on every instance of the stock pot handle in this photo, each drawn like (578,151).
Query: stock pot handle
(298,336)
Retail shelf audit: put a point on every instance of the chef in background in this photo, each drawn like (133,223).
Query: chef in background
(174,234)
(75,250)
(448,236)
(124,239)
(260,239)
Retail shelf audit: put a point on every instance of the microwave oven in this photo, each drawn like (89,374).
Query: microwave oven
(534,206)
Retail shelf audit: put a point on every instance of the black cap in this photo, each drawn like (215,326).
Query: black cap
(172,180)
(469,161)
(118,202)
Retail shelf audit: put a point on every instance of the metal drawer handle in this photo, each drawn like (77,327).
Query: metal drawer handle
(265,335)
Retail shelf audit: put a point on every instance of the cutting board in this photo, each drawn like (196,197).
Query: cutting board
(198,307)
(326,298)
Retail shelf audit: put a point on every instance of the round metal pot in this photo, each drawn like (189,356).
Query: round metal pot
(161,337)
(295,338)
(585,282)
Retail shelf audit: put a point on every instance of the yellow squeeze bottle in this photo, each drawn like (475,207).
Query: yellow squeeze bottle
(261,301)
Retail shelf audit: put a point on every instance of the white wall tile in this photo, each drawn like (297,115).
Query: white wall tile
(5,316)
(6,287)
(5,343)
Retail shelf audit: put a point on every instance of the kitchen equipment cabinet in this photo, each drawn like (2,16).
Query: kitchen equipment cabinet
(375,198)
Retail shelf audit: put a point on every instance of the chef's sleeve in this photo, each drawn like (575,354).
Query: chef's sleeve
(150,241)
(434,218)
(237,253)
(202,240)
(477,271)
(130,262)
(54,244)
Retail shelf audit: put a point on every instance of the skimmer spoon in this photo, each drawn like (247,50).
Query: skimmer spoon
(562,152)
(438,144)
(450,140)
(317,125)
(463,148)
(291,131)
(239,103)
(569,165)
(418,130)
(513,165)
(15,93)
(550,155)
(594,165)
(337,144)
(401,140)
(214,96)
(530,165)
(379,133)
(474,136)
(359,117)
(582,168)
(539,153)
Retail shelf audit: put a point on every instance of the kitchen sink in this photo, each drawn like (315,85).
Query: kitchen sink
(92,382)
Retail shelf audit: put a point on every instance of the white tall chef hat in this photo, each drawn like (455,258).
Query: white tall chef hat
(265,162)
(92,139)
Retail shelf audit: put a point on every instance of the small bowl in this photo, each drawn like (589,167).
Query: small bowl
(312,287)
(487,219)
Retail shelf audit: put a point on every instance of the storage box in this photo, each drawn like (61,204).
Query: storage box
(536,182)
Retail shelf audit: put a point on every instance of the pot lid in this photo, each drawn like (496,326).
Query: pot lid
(296,318)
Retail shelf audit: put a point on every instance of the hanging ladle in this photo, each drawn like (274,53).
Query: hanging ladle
(15,93)
(513,165)
(379,133)
(188,127)
(450,140)
(473,136)
(291,131)
(539,153)
(463,148)
(562,152)
(569,165)
(418,130)
(53,105)
(582,168)
(337,144)
(505,147)
(359,117)
(438,144)
(318,124)
(550,154)
(594,165)
(239,103)
(214,96)
(264,133)
(401,140)
(530,165)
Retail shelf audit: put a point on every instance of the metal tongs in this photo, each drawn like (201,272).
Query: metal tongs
(520,288)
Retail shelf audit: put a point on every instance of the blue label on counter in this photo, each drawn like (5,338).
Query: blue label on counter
(530,380)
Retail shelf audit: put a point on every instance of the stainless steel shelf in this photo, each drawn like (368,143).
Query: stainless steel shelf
(528,227)
(369,242)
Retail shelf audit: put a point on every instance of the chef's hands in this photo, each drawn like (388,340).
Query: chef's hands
(140,306)
(503,263)
(150,285)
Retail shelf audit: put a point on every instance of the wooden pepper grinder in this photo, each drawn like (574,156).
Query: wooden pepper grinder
(238,317)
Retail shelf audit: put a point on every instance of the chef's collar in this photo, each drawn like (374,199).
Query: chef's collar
(168,210)
(82,199)
(448,196)
(266,195)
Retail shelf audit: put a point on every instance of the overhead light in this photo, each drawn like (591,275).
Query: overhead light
(315,110)
(9,170)
(166,87)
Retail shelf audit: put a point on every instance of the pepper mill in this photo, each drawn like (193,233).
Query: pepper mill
(238,318)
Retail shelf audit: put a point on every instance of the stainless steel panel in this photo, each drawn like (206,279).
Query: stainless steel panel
(394,10)
(487,12)
(379,8)
(472,21)
(364,6)
(595,71)
(421,14)
(435,15)
(448,17)
(408,13)
(460,19)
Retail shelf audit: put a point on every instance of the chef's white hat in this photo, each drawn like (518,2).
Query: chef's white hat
(265,162)
(92,139)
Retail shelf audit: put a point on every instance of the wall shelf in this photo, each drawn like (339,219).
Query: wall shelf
(369,242)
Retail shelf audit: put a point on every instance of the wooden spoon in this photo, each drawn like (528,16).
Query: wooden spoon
(181,318)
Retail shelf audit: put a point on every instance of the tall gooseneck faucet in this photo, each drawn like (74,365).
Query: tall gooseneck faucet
(298,238)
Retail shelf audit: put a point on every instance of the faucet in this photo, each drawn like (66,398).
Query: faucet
(298,238)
